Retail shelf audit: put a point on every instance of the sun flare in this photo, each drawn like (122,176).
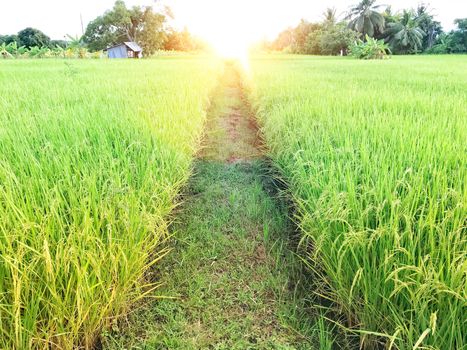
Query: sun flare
(229,49)
(226,38)
(230,28)
(236,48)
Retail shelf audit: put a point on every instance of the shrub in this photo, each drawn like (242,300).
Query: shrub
(370,49)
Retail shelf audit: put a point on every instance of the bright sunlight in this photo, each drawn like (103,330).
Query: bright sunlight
(230,27)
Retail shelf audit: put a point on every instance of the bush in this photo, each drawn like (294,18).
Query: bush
(438,49)
(336,39)
(370,49)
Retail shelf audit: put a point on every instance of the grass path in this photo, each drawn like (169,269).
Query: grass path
(230,277)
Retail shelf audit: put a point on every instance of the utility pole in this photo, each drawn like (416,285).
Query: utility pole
(82,26)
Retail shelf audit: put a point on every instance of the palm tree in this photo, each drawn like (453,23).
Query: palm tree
(427,23)
(390,16)
(365,19)
(405,35)
(330,17)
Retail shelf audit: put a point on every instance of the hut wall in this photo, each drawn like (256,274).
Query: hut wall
(118,52)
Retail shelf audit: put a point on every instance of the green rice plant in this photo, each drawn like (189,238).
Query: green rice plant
(90,164)
(376,156)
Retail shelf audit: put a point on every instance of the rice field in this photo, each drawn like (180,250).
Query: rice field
(375,153)
(92,155)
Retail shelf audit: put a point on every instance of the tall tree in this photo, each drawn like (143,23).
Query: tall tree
(336,39)
(284,40)
(405,36)
(7,39)
(430,27)
(182,41)
(300,36)
(30,37)
(458,38)
(100,34)
(453,42)
(365,18)
(140,24)
(389,16)
(330,17)
(152,31)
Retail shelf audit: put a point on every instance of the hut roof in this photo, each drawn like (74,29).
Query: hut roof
(130,44)
(133,46)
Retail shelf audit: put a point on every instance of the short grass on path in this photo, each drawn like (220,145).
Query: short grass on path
(231,132)
(231,277)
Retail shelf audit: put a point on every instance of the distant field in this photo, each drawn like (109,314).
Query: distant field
(92,154)
(376,156)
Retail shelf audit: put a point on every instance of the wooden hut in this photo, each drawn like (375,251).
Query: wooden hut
(127,49)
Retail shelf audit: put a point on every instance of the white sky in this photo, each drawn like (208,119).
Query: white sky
(213,19)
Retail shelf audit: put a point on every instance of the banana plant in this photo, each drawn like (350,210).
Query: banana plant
(16,50)
(77,46)
(22,50)
(12,48)
(370,49)
(4,53)
(39,52)
(58,51)
(75,41)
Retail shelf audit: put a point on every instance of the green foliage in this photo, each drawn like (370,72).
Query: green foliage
(454,41)
(405,35)
(327,38)
(58,43)
(182,41)
(28,38)
(369,49)
(410,31)
(313,43)
(12,50)
(90,164)
(283,41)
(431,28)
(7,39)
(139,24)
(365,19)
(31,37)
(153,33)
(336,39)
(75,49)
(390,16)
(300,36)
(461,25)
(330,37)
(99,34)
(376,159)
(330,17)
(4,52)
(38,52)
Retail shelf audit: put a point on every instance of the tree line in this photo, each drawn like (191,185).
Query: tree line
(407,32)
(31,37)
(33,43)
(142,24)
